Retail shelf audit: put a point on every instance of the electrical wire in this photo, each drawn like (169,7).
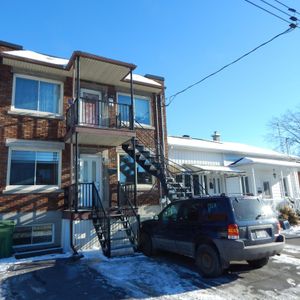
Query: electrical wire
(172,97)
(273,6)
(290,9)
(256,5)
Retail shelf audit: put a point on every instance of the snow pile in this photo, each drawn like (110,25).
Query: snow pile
(293,232)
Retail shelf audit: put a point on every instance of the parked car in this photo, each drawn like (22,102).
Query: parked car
(215,231)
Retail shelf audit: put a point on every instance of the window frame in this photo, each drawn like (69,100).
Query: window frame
(31,188)
(37,112)
(148,98)
(37,244)
(140,186)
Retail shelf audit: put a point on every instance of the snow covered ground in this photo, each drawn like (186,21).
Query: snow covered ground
(293,232)
(167,278)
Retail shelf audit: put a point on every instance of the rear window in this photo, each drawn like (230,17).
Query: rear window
(251,209)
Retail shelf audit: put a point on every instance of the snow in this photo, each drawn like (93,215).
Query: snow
(262,161)
(38,57)
(141,79)
(293,232)
(200,144)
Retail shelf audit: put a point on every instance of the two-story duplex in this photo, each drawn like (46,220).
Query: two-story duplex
(80,138)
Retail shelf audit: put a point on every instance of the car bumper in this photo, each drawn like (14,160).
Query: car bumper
(235,250)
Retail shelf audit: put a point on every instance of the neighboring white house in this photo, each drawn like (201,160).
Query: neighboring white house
(234,169)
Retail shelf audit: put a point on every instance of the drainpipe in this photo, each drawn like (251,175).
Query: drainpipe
(133,141)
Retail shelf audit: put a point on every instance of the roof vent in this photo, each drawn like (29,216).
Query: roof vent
(216,136)
(186,136)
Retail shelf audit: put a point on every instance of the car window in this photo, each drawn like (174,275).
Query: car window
(189,212)
(215,210)
(170,213)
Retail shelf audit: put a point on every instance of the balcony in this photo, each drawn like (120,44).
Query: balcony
(99,122)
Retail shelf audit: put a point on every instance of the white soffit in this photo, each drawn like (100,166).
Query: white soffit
(262,161)
(222,169)
(35,144)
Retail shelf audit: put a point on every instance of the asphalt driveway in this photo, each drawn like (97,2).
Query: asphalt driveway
(164,277)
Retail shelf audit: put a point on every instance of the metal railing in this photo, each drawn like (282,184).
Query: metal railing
(125,194)
(99,114)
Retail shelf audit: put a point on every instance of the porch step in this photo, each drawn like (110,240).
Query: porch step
(40,252)
(126,246)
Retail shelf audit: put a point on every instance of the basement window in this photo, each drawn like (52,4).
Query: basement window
(33,235)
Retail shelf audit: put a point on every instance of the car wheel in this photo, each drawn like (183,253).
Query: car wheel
(208,261)
(146,244)
(258,263)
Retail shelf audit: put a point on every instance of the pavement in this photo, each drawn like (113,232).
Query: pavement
(166,276)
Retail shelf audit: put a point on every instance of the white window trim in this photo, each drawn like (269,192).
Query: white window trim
(38,244)
(37,113)
(140,186)
(146,126)
(23,189)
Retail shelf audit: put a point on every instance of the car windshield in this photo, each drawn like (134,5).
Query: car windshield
(251,209)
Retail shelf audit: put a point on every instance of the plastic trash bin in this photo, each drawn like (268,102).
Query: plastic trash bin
(6,235)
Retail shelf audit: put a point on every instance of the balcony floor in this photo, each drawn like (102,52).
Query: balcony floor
(100,136)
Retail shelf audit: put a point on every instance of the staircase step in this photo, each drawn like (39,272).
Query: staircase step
(126,246)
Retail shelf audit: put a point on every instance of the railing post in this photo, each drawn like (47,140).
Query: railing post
(118,194)
(108,238)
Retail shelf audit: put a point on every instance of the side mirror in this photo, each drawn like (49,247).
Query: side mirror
(156,217)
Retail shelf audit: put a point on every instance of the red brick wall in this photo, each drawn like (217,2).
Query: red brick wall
(32,128)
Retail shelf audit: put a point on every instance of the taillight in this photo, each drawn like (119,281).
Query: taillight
(233,232)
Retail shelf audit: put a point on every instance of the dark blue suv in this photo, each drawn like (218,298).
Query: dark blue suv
(215,231)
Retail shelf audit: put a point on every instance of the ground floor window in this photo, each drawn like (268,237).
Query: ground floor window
(33,167)
(126,170)
(267,190)
(285,187)
(35,234)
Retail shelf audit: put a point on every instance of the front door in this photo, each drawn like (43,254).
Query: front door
(90,107)
(90,173)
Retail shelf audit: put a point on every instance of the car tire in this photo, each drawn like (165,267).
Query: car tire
(258,263)
(146,245)
(208,261)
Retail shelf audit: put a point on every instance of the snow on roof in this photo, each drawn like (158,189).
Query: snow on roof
(199,144)
(142,79)
(222,169)
(38,57)
(263,161)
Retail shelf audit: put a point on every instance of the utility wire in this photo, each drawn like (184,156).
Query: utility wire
(256,5)
(172,97)
(290,9)
(275,7)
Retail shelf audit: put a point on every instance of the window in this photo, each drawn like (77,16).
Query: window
(142,108)
(37,95)
(170,213)
(285,187)
(267,191)
(126,169)
(189,212)
(33,167)
(31,235)
(245,185)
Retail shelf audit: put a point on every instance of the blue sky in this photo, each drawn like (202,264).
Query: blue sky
(182,41)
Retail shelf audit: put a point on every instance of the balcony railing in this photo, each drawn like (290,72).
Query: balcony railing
(99,113)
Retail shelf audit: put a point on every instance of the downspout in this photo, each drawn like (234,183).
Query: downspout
(133,140)
(76,157)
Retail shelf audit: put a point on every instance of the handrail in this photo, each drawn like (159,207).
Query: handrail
(123,200)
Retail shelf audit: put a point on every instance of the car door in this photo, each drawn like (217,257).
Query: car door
(187,227)
(164,235)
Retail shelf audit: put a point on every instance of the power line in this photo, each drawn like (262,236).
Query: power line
(273,6)
(290,9)
(172,97)
(264,9)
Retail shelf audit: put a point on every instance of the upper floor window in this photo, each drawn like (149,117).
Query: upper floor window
(35,94)
(142,107)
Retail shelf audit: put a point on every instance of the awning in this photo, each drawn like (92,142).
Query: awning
(262,161)
(220,169)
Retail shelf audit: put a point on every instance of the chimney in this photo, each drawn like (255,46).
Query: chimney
(216,136)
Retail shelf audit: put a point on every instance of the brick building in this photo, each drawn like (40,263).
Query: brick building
(70,130)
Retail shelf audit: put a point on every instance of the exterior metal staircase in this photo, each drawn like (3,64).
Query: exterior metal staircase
(156,164)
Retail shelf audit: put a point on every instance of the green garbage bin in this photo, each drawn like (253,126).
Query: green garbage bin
(6,235)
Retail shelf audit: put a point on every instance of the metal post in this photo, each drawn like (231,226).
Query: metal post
(133,141)
(76,172)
